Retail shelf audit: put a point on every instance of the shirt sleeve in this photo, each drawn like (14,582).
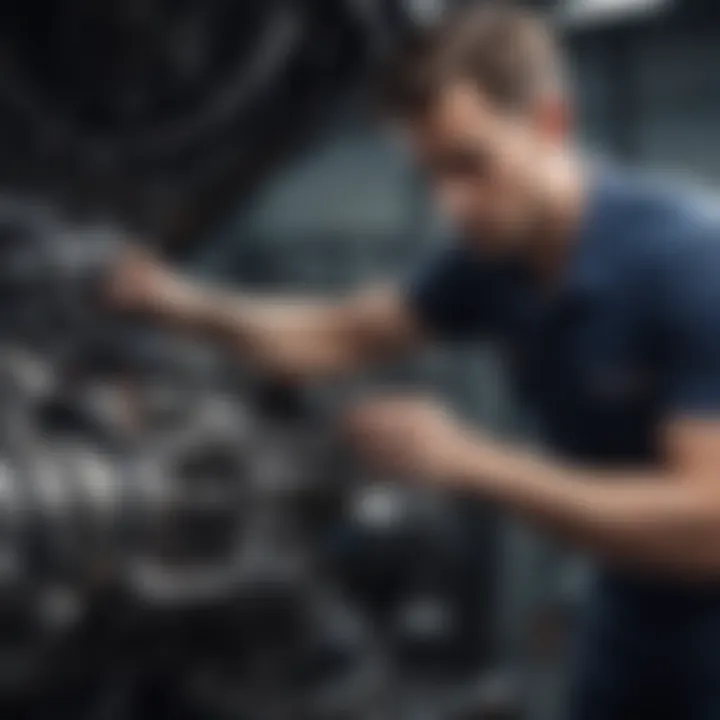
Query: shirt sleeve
(451,295)
(691,318)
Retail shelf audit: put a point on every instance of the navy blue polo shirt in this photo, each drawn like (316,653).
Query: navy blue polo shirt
(629,336)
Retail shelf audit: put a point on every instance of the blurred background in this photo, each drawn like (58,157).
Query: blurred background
(236,138)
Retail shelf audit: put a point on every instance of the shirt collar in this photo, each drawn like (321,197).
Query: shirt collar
(588,266)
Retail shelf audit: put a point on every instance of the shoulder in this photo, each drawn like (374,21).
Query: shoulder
(669,229)
(454,293)
(674,214)
(676,259)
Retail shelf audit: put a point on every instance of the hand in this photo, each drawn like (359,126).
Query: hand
(409,436)
(141,283)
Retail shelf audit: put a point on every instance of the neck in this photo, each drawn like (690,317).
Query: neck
(563,198)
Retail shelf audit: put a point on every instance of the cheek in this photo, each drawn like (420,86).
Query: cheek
(518,157)
(515,189)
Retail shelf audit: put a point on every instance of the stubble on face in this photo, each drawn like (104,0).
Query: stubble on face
(481,163)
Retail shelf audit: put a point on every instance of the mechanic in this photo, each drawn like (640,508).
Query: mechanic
(603,287)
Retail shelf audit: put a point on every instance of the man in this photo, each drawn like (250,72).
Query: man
(605,290)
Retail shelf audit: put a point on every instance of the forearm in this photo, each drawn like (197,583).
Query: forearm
(289,336)
(293,337)
(635,518)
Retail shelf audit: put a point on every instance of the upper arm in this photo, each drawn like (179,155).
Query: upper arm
(689,312)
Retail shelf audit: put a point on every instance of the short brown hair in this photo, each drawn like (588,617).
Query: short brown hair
(509,52)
